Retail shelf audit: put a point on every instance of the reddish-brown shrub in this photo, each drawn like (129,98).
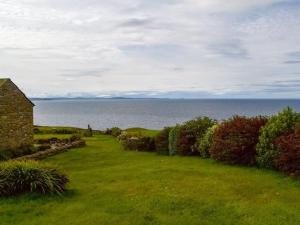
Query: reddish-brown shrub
(234,141)
(288,158)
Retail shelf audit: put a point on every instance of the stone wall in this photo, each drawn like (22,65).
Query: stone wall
(16,118)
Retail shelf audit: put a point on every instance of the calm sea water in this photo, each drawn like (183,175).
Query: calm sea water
(147,113)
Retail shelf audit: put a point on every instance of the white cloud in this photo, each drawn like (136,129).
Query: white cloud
(55,47)
(230,5)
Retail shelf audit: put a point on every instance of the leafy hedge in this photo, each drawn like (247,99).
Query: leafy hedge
(14,153)
(234,141)
(17,177)
(288,158)
(283,122)
(173,136)
(114,131)
(162,141)
(189,132)
(205,142)
(137,143)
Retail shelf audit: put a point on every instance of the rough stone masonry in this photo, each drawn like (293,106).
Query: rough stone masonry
(16,117)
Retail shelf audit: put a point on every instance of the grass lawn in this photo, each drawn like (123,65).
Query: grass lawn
(111,186)
(142,131)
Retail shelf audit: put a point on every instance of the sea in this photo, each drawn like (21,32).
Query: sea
(148,113)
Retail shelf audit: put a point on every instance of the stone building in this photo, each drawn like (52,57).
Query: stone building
(16,117)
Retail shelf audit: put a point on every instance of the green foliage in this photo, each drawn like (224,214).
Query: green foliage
(114,131)
(162,141)
(128,188)
(173,135)
(137,142)
(75,137)
(53,139)
(136,174)
(17,177)
(14,153)
(205,142)
(56,130)
(277,125)
(189,132)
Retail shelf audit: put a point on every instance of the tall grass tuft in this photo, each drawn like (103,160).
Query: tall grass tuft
(17,177)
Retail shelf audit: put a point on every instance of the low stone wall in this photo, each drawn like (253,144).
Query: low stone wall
(53,151)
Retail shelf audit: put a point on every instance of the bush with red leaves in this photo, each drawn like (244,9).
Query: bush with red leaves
(234,141)
(288,158)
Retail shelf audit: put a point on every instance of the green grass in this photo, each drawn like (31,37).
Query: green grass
(48,136)
(111,186)
(142,131)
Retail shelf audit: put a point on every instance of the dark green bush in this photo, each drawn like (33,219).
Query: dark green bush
(173,137)
(189,132)
(283,122)
(235,140)
(75,137)
(56,130)
(114,131)
(14,153)
(64,131)
(46,140)
(138,143)
(162,141)
(17,177)
(205,142)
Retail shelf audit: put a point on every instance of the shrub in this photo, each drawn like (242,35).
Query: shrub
(42,141)
(55,140)
(205,142)
(36,130)
(288,158)
(114,131)
(162,141)
(173,137)
(189,132)
(74,137)
(138,143)
(234,141)
(13,153)
(17,177)
(283,122)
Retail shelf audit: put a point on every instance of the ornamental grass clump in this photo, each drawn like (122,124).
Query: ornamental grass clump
(18,177)
(282,123)
(234,141)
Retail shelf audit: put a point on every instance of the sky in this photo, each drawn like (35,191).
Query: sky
(157,48)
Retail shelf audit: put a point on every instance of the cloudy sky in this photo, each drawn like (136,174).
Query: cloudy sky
(166,48)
